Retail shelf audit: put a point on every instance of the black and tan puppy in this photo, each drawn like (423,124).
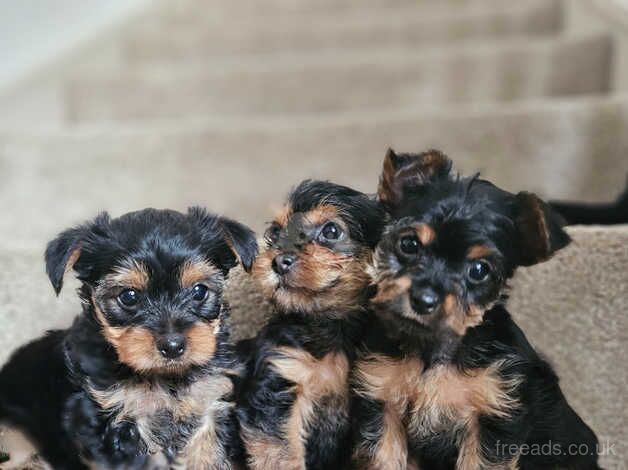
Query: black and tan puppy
(448,380)
(141,377)
(294,403)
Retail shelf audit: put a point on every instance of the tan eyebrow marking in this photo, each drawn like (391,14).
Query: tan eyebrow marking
(133,275)
(321,214)
(478,251)
(425,233)
(283,216)
(195,271)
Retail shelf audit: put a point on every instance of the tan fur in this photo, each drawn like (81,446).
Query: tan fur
(458,318)
(471,457)
(395,382)
(265,451)
(201,342)
(72,259)
(193,272)
(203,450)
(314,379)
(532,225)
(437,399)
(479,251)
(321,214)
(387,191)
(390,289)
(133,275)
(392,449)
(142,401)
(425,233)
(136,346)
(393,177)
(322,280)
(283,216)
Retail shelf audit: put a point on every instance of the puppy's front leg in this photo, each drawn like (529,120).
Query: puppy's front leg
(380,437)
(99,439)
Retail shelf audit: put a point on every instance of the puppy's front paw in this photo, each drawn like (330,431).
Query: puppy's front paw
(123,443)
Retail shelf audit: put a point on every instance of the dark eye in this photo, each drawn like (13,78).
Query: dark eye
(129,298)
(199,292)
(479,271)
(272,233)
(330,231)
(409,245)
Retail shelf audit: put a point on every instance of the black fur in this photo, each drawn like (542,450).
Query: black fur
(45,387)
(580,213)
(516,230)
(266,398)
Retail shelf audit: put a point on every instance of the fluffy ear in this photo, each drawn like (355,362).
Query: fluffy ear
(63,252)
(238,238)
(409,170)
(241,240)
(540,229)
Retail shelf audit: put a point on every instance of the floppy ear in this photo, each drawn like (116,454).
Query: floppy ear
(540,229)
(61,255)
(241,240)
(63,252)
(409,170)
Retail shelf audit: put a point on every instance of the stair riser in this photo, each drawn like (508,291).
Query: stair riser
(195,9)
(508,73)
(404,28)
(243,168)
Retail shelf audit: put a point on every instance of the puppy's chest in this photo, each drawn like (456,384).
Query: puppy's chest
(167,419)
(320,385)
(439,401)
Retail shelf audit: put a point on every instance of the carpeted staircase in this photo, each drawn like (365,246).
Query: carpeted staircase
(227,104)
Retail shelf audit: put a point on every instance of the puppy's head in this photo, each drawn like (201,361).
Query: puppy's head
(153,280)
(318,248)
(453,243)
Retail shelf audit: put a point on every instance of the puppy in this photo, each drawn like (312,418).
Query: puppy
(141,378)
(447,379)
(294,403)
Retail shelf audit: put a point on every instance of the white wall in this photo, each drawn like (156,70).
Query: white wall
(36,32)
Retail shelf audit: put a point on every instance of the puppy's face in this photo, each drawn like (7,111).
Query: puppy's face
(440,271)
(318,248)
(154,281)
(453,244)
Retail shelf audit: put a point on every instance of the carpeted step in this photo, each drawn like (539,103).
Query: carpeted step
(386,79)
(407,26)
(561,149)
(577,300)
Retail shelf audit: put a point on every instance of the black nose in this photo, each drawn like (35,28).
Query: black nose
(283,263)
(171,346)
(425,300)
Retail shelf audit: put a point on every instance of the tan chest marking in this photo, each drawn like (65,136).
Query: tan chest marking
(314,380)
(438,399)
(142,402)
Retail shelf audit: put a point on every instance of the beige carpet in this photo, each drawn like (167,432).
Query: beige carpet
(229,104)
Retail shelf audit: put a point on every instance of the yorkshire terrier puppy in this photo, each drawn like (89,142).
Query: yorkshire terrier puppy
(448,380)
(294,402)
(141,378)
